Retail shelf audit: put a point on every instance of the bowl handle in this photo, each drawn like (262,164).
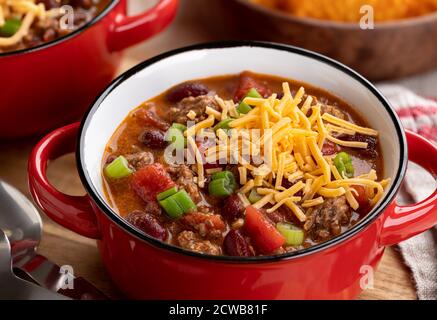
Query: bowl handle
(404,222)
(72,212)
(129,30)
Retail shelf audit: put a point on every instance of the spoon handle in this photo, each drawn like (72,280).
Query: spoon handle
(17,289)
(59,279)
(13,287)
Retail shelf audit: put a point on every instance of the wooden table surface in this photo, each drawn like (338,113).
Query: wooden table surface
(392,279)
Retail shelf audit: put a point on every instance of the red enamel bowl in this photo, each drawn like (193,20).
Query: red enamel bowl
(145,268)
(53,84)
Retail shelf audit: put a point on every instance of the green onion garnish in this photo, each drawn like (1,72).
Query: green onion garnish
(179,126)
(118,168)
(254,196)
(166,193)
(171,207)
(343,163)
(176,137)
(220,188)
(222,184)
(176,203)
(293,235)
(10,27)
(184,201)
(224,124)
(223,174)
(253,93)
(243,107)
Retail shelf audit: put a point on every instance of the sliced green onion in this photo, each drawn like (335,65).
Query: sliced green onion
(222,184)
(293,235)
(167,193)
(343,163)
(118,168)
(177,203)
(253,93)
(228,176)
(243,107)
(10,27)
(179,126)
(223,174)
(349,169)
(224,124)
(254,196)
(176,137)
(220,188)
(184,201)
(171,207)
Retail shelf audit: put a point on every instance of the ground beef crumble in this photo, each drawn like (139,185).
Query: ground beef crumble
(183,176)
(325,220)
(332,110)
(191,241)
(207,225)
(140,159)
(179,112)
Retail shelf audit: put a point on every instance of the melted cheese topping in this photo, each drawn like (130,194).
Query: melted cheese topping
(289,145)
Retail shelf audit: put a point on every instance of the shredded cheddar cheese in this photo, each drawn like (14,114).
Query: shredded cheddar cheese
(288,146)
(191,115)
(312,202)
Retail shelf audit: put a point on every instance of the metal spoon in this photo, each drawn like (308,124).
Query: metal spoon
(21,222)
(13,287)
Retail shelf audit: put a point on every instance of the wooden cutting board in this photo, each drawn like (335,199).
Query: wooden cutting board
(392,279)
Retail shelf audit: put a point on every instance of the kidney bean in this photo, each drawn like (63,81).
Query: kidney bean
(147,223)
(233,208)
(330,148)
(185,90)
(235,244)
(149,118)
(153,138)
(371,150)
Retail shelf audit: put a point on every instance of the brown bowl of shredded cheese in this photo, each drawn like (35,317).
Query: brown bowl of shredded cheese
(352,11)
(401,41)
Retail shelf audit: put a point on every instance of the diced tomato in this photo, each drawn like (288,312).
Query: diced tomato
(151,180)
(330,148)
(263,234)
(372,144)
(247,82)
(361,196)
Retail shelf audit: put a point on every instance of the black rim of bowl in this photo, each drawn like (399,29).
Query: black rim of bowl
(121,222)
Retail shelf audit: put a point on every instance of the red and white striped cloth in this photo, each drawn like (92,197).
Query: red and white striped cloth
(418,114)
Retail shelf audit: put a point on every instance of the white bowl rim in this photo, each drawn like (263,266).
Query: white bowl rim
(360,226)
